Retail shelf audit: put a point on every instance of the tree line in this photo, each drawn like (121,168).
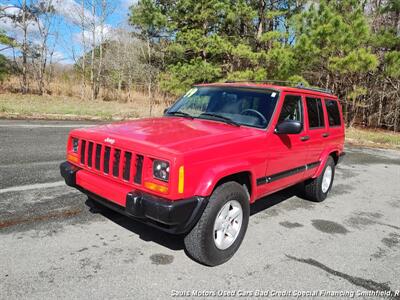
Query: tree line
(350,47)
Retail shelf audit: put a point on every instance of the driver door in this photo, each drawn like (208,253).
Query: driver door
(287,153)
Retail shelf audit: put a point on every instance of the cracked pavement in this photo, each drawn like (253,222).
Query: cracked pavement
(53,245)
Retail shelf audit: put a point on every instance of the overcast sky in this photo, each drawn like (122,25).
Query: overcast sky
(68,39)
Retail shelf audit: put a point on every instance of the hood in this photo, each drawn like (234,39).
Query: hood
(174,134)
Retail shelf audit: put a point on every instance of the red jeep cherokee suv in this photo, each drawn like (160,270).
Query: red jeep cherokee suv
(196,170)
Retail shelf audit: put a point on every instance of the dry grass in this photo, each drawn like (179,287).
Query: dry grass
(373,138)
(63,107)
(70,86)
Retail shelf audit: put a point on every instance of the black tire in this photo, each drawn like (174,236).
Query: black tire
(313,187)
(199,242)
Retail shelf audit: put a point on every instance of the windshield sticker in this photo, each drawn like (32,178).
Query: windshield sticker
(191,92)
(273,95)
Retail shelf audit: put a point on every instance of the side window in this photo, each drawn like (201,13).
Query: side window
(291,109)
(333,112)
(315,113)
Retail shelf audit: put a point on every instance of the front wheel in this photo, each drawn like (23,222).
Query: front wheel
(221,229)
(317,189)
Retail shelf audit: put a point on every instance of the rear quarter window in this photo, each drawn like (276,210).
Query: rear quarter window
(332,109)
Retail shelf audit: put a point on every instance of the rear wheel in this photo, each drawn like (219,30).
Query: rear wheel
(221,229)
(317,189)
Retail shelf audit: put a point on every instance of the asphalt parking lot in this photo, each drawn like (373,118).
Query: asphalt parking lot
(52,245)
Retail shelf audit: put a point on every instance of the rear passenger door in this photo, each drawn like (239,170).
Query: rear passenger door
(316,128)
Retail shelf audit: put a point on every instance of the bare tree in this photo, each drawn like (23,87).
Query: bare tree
(84,54)
(20,15)
(34,21)
(24,26)
(93,54)
(101,10)
(127,66)
(83,70)
(44,19)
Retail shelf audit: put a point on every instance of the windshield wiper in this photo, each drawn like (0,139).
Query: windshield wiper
(220,117)
(180,114)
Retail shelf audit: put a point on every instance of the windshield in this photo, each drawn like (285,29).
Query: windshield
(237,106)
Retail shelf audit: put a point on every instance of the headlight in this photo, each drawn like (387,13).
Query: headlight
(75,145)
(161,170)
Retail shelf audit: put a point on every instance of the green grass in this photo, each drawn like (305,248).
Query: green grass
(371,137)
(59,107)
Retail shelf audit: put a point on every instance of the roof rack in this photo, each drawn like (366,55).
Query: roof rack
(260,81)
(312,88)
(300,85)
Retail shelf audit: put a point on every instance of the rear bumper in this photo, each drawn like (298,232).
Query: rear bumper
(175,217)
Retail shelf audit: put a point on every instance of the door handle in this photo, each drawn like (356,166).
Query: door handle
(304,138)
(325,134)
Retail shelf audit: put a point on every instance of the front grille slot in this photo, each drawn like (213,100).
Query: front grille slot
(106,166)
(139,166)
(127,166)
(98,156)
(117,156)
(83,150)
(90,154)
(124,165)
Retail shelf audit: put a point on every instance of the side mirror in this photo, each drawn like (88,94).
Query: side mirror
(289,127)
(165,110)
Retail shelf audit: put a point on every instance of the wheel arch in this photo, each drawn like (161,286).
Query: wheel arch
(335,156)
(334,153)
(244,178)
(212,179)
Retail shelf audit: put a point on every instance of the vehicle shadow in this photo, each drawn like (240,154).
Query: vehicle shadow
(145,232)
(276,198)
(175,242)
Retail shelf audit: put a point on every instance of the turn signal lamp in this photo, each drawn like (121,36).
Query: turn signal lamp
(72,158)
(156,187)
(181,180)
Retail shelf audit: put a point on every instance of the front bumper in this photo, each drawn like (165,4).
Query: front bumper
(175,217)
